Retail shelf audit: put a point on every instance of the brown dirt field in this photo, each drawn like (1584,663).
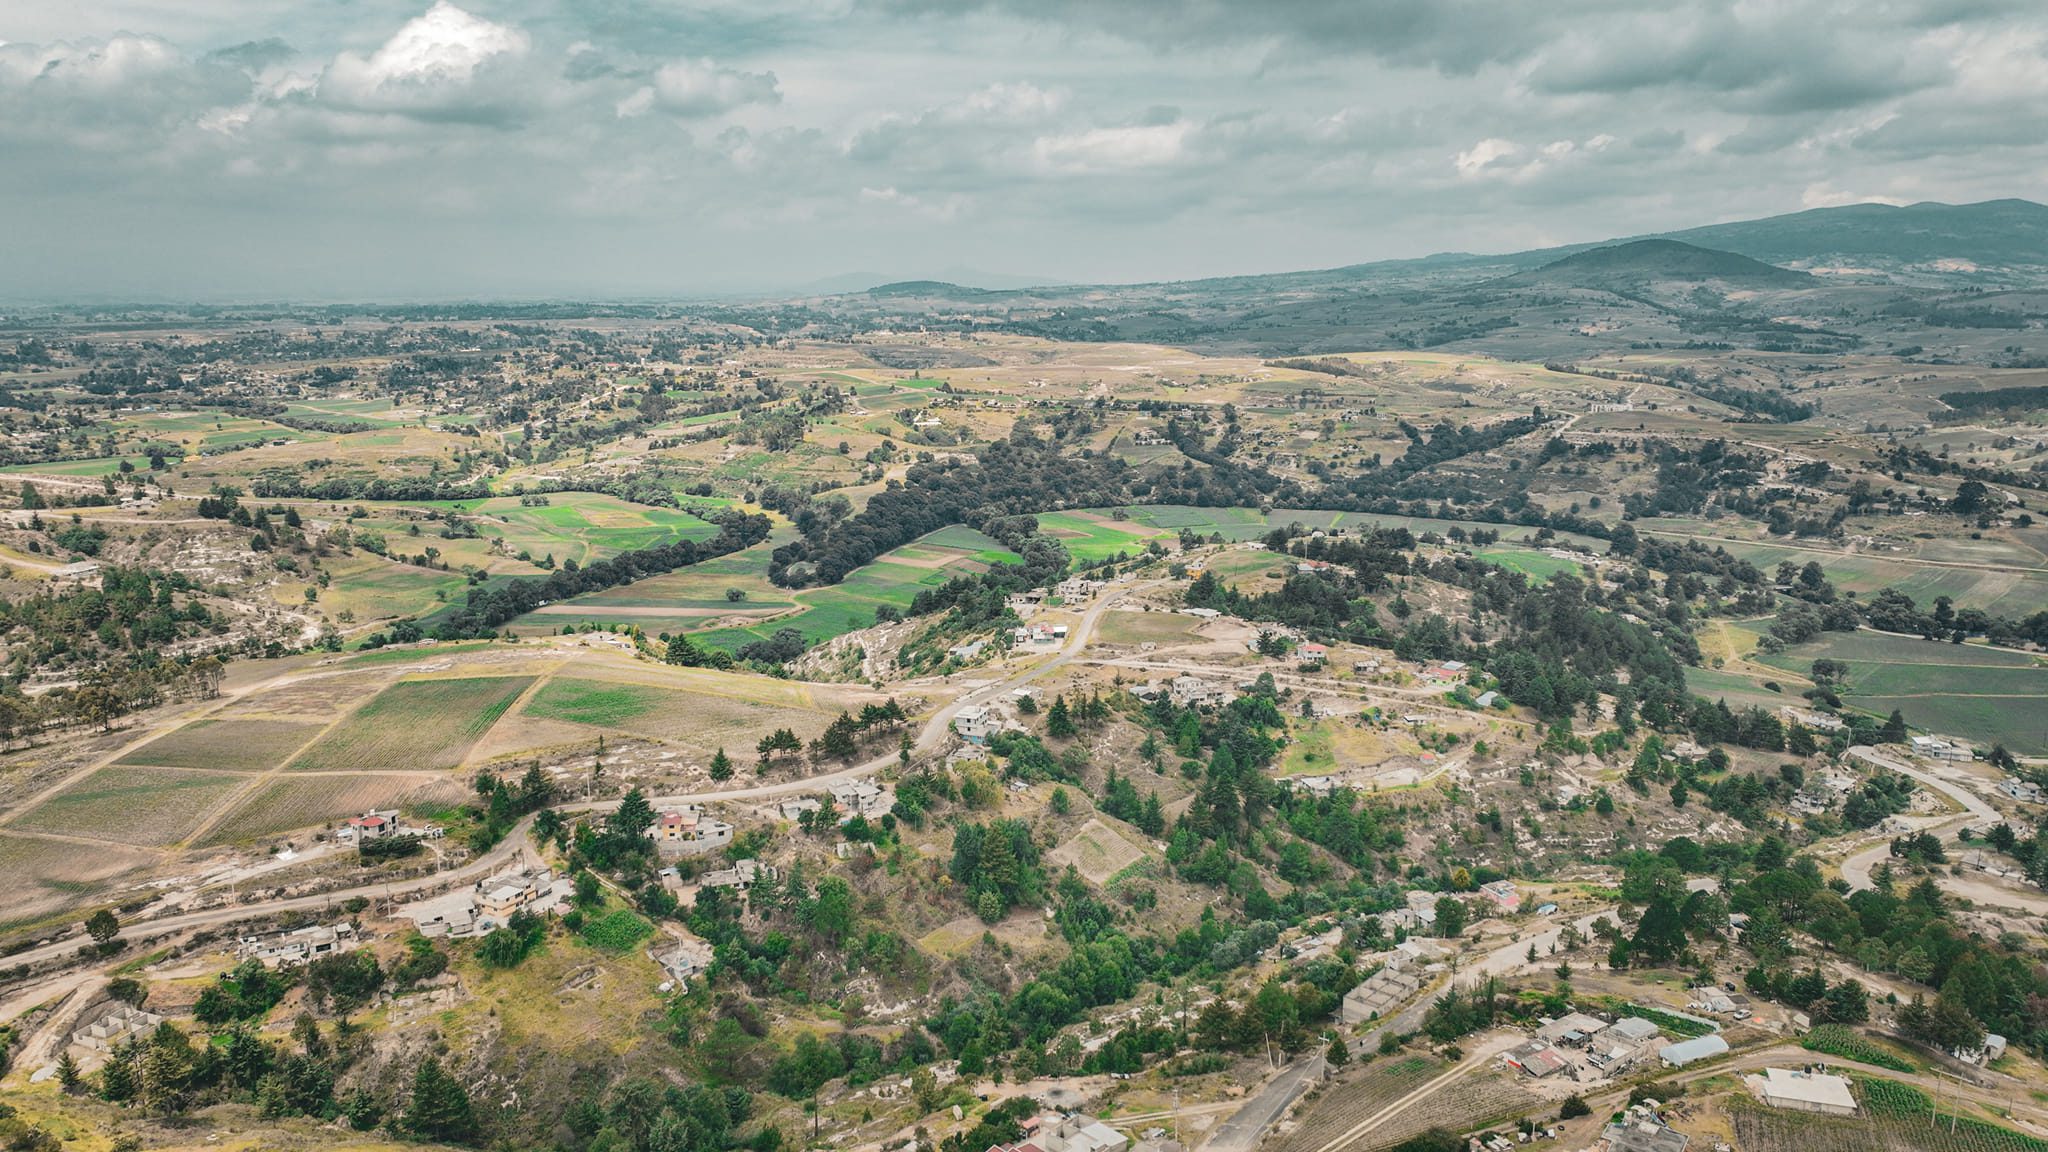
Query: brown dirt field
(295,802)
(133,805)
(46,876)
(226,745)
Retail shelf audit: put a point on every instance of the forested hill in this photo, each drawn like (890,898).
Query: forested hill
(1639,261)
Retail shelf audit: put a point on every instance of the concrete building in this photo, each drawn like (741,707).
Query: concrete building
(1379,994)
(1503,895)
(1641,1129)
(1804,1091)
(976,723)
(687,831)
(794,809)
(744,874)
(1070,1132)
(298,947)
(372,825)
(116,1026)
(1572,1031)
(488,905)
(860,798)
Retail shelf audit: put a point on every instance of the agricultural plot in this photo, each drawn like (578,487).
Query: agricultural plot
(415,724)
(1097,535)
(293,802)
(226,745)
(600,702)
(51,876)
(2007,591)
(1238,524)
(1967,690)
(584,526)
(1899,1119)
(694,600)
(149,807)
(1126,627)
(377,589)
(323,697)
(1538,565)
(1097,851)
(1738,690)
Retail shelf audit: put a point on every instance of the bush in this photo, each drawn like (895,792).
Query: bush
(1849,1044)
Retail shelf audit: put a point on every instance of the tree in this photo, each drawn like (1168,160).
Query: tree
(1451,916)
(721,765)
(1059,721)
(1894,729)
(633,817)
(439,1108)
(103,927)
(1338,1054)
(67,1074)
(1574,1106)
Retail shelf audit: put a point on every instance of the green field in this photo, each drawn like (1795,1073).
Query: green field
(2015,587)
(415,725)
(1538,565)
(229,745)
(148,807)
(693,599)
(600,702)
(1972,691)
(1236,524)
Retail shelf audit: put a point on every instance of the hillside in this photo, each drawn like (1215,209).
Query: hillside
(1643,261)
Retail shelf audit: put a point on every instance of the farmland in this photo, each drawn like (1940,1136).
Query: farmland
(227,745)
(1953,688)
(298,801)
(146,807)
(1899,1119)
(598,702)
(415,724)
(49,875)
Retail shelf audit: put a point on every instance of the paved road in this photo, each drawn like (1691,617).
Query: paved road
(1250,1123)
(1857,868)
(519,841)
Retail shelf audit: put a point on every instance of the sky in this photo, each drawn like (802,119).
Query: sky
(315,150)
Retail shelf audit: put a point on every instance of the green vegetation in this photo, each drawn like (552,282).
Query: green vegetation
(597,702)
(616,931)
(1849,1044)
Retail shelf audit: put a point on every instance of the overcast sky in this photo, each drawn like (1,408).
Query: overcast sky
(414,149)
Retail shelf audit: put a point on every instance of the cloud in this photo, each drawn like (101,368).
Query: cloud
(1113,149)
(701,88)
(439,64)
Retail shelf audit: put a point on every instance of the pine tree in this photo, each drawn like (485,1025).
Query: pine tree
(1151,818)
(1894,728)
(1339,1053)
(440,1108)
(1059,721)
(67,1074)
(721,765)
(633,817)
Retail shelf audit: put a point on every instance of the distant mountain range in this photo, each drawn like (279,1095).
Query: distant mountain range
(1999,240)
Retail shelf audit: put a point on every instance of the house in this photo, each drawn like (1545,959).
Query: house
(1640,1129)
(795,809)
(682,959)
(976,723)
(372,826)
(1201,613)
(1488,699)
(1379,994)
(1573,1030)
(1688,1051)
(1818,721)
(1189,691)
(860,798)
(1503,895)
(1934,749)
(490,903)
(1317,786)
(1313,653)
(2025,791)
(297,947)
(966,651)
(743,874)
(1072,1132)
(1538,1059)
(688,832)
(1804,1091)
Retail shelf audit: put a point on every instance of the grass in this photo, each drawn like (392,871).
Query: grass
(1844,1041)
(600,702)
(431,651)
(1539,565)
(415,724)
(149,807)
(226,745)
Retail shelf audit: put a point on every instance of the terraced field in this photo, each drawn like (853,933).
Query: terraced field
(292,802)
